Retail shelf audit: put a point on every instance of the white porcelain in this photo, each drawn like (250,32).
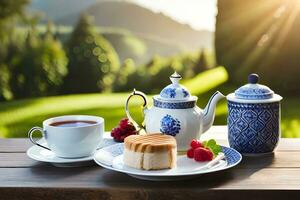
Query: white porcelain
(43,155)
(71,142)
(111,157)
(175,113)
(232,97)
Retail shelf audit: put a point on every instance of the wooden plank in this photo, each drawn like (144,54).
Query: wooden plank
(14,145)
(18,160)
(277,160)
(95,177)
(275,176)
(289,144)
(21,160)
(138,194)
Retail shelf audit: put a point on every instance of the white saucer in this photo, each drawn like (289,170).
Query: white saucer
(111,157)
(43,155)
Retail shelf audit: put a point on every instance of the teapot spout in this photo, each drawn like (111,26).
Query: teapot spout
(209,111)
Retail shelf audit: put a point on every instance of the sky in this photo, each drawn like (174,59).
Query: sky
(199,14)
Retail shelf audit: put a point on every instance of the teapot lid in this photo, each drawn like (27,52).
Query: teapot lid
(254,92)
(175,91)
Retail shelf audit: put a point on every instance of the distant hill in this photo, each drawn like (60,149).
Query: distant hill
(126,44)
(56,9)
(140,49)
(150,33)
(143,21)
(125,15)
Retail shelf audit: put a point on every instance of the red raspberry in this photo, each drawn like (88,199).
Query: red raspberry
(129,128)
(113,132)
(116,133)
(122,138)
(190,153)
(124,123)
(124,129)
(195,144)
(202,154)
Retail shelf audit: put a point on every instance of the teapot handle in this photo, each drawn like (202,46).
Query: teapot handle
(135,93)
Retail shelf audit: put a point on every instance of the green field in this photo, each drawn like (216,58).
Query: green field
(17,117)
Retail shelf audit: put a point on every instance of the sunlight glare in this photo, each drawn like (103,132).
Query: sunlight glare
(199,14)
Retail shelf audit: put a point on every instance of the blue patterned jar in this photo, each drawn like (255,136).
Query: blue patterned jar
(253,118)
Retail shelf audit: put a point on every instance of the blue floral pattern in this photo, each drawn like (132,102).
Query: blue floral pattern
(185,93)
(253,93)
(169,125)
(231,155)
(253,90)
(168,92)
(253,128)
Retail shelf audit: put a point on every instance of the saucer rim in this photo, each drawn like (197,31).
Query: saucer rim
(145,174)
(64,160)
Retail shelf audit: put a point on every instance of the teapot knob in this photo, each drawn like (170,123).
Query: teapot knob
(253,78)
(175,78)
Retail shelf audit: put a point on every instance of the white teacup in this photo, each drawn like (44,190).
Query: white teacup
(71,136)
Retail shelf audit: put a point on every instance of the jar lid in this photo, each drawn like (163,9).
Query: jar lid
(175,91)
(253,90)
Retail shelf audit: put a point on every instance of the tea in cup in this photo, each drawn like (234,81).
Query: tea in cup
(71,136)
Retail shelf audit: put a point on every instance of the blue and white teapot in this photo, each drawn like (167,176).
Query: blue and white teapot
(175,113)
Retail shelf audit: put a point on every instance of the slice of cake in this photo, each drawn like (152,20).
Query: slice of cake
(153,151)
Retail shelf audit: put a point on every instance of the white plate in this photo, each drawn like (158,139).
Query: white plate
(43,155)
(111,157)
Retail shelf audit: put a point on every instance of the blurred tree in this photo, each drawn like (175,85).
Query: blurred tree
(161,78)
(92,60)
(155,61)
(262,37)
(53,61)
(10,13)
(154,75)
(201,64)
(10,9)
(40,67)
(188,64)
(122,82)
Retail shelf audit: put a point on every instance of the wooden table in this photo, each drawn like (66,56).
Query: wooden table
(275,176)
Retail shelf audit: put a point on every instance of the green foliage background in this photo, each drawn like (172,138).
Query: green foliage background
(38,68)
(261,37)
(93,61)
(40,63)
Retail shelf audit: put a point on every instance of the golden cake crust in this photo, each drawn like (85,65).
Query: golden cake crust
(150,143)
